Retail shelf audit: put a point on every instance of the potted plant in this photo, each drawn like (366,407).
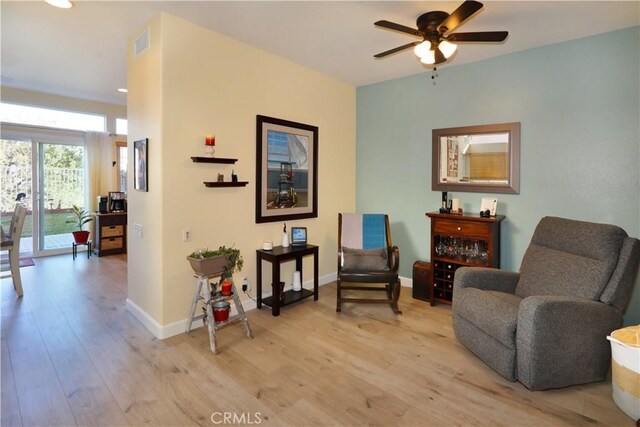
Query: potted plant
(82,217)
(221,262)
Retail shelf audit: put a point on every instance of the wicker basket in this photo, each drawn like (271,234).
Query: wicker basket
(625,366)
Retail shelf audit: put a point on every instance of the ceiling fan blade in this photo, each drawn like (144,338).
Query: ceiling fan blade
(397,49)
(439,56)
(487,36)
(461,14)
(397,27)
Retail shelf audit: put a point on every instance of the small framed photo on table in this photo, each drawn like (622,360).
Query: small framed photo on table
(489,204)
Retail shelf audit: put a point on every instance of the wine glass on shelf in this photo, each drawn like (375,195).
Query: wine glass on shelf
(451,249)
(475,250)
(441,248)
(484,252)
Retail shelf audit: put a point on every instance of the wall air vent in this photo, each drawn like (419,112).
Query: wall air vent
(141,43)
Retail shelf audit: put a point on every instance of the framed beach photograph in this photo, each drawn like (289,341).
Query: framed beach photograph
(140,165)
(286,170)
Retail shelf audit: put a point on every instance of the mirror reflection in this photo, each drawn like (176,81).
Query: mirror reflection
(477,158)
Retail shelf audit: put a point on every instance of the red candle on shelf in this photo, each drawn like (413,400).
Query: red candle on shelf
(226,288)
(211,140)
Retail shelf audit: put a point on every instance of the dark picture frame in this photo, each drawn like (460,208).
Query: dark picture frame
(141,165)
(286,170)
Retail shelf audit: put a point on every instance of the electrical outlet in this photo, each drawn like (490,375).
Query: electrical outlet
(137,230)
(246,286)
(186,235)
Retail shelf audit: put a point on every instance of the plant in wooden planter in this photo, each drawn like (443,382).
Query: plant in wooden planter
(221,262)
(82,217)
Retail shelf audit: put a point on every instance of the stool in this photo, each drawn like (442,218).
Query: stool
(75,249)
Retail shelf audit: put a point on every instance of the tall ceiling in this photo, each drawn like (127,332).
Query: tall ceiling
(81,52)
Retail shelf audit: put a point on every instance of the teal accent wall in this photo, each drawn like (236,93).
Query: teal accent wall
(578,103)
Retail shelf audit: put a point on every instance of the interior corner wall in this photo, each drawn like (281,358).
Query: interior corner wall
(580,140)
(144,209)
(212,84)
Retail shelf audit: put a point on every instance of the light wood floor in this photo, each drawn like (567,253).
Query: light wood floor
(71,354)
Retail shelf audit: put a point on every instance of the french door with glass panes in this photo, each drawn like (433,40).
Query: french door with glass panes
(49,168)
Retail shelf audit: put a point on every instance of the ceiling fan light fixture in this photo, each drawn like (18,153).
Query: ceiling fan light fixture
(429,58)
(422,49)
(447,48)
(62,4)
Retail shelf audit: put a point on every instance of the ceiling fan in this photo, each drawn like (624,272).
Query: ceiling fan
(436,45)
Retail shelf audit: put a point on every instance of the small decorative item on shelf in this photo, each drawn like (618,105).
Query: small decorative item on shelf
(225,289)
(221,311)
(234,177)
(210,145)
(446,204)
(282,296)
(488,205)
(297,282)
(285,237)
(220,177)
(455,206)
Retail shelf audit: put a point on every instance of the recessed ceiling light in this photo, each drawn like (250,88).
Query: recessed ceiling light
(123,90)
(63,4)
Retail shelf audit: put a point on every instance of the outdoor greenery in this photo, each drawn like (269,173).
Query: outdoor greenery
(63,180)
(54,223)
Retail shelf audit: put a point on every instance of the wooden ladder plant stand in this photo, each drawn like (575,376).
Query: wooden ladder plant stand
(212,325)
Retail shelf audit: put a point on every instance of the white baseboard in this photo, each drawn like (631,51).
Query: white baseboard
(147,321)
(179,327)
(406,282)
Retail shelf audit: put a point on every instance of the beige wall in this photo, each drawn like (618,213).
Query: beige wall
(145,115)
(209,83)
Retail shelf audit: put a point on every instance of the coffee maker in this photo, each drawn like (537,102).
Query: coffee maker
(103,204)
(117,201)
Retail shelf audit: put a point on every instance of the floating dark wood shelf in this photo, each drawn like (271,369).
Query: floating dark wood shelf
(198,159)
(226,184)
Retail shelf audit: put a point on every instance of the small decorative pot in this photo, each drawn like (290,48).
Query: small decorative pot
(226,288)
(208,266)
(221,311)
(80,237)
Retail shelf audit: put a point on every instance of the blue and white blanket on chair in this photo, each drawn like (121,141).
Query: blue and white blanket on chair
(364,231)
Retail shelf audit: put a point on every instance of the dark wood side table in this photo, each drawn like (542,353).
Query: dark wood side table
(110,233)
(275,257)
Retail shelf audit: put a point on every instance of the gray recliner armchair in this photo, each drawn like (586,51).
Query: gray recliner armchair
(546,326)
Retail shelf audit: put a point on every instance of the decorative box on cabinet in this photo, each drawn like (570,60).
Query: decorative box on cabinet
(422,280)
(110,234)
(460,241)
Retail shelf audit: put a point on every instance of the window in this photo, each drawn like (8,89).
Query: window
(122,165)
(121,126)
(36,116)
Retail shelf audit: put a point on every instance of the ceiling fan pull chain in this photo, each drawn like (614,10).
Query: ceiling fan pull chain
(434,74)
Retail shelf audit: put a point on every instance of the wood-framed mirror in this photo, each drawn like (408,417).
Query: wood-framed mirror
(483,158)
